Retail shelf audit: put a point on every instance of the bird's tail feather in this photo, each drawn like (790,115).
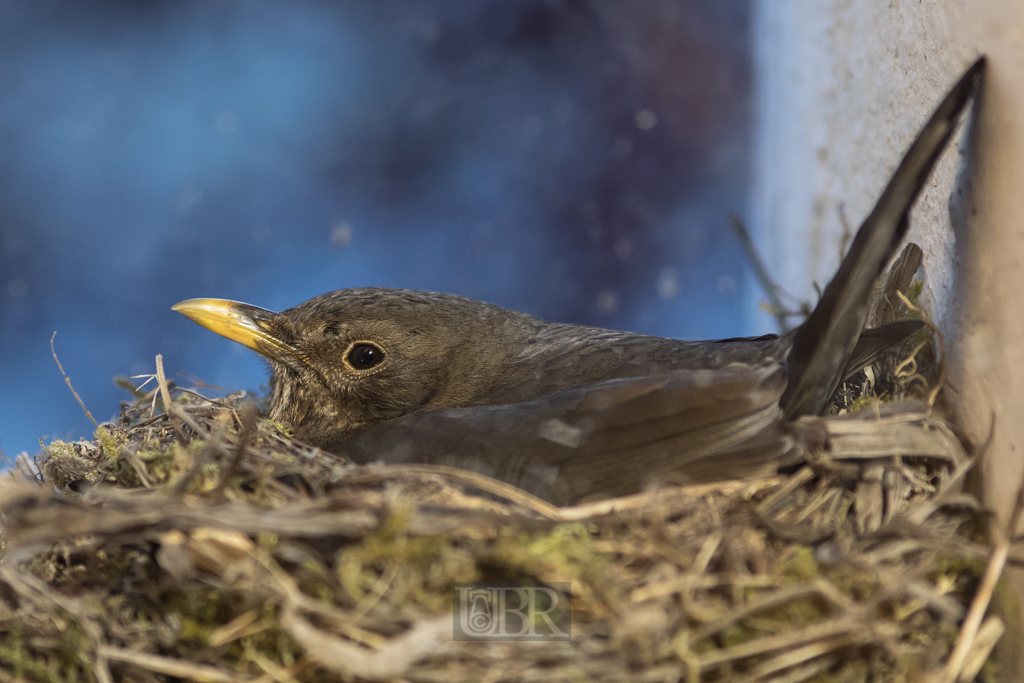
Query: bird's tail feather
(823,344)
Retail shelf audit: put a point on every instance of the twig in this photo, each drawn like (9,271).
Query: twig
(211,401)
(213,443)
(180,413)
(67,380)
(284,585)
(475,479)
(821,632)
(820,588)
(40,593)
(811,657)
(803,475)
(982,598)
(692,581)
(248,427)
(640,501)
(371,599)
(178,668)
(130,455)
(238,627)
(919,513)
(26,467)
(426,638)
(165,394)
(198,382)
(760,271)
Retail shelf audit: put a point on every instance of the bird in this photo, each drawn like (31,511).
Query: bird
(571,412)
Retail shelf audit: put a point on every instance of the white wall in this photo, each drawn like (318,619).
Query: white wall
(842,89)
(843,86)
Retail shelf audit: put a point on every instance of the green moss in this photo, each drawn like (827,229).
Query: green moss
(958,565)
(914,295)
(564,553)
(798,565)
(65,660)
(277,427)
(396,575)
(23,666)
(734,634)
(110,442)
(864,402)
(427,565)
(858,584)
(166,464)
(192,630)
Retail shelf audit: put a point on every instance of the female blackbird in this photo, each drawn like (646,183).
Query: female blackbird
(568,411)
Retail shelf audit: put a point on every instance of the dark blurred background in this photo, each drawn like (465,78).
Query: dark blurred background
(573,159)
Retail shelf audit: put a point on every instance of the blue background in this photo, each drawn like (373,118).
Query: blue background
(572,159)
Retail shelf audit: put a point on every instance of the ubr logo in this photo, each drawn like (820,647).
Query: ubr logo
(511,611)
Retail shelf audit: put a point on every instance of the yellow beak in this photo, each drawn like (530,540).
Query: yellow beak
(239,322)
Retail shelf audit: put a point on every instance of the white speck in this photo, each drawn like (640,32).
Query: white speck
(564,112)
(726,284)
(261,233)
(645,119)
(532,126)
(430,30)
(622,148)
(17,288)
(668,283)
(341,235)
(227,122)
(607,301)
(189,197)
(623,248)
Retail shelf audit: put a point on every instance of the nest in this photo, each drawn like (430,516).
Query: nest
(195,541)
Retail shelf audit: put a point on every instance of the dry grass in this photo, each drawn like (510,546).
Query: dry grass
(196,541)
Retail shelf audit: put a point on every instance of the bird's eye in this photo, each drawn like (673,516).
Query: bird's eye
(365,356)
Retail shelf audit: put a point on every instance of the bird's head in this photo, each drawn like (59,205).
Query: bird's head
(353,357)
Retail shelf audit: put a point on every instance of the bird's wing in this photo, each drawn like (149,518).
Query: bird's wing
(609,438)
(823,344)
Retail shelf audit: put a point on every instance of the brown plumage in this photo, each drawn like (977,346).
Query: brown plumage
(568,411)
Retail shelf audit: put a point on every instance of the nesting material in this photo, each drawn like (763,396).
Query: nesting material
(202,543)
